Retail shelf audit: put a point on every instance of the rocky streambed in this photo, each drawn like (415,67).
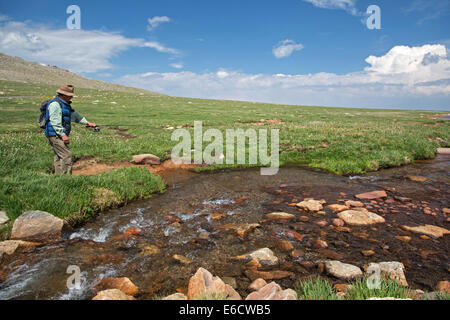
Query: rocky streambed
(215,221)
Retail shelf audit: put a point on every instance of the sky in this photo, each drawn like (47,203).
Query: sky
(301,52)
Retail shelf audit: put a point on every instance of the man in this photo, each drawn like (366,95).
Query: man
(59,116)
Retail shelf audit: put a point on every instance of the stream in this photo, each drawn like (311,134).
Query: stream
(192,216)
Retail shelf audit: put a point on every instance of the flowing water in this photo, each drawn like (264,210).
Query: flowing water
(186,220)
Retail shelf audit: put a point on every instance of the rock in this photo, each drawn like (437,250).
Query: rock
(446,210)
(443,286)
(360,218)
(443,150)
(330,254)
(297,253)
(272,291)
(203,282)
(132,231)
(307,264)
(254,274)
(230,281)
(322,223)
(176,296)
(351,203)
(320,244)
(372,195)
(342,270)
(146,158)
(232,294)
(391,270)
(37,226)
(3,218)
(293,235)
(403,238)
(280,216)
(257,284)
(112,294)
(241,230)
(303,218)
(123,284)
(429,230)
(150,250)
(417,178)
(310,205)
(368,253)
(343,229)
(337,207)
(264,256)
(285,245)
(338,222)
(10,246)
(182,259)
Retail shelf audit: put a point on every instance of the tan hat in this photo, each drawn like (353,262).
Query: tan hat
(67,90)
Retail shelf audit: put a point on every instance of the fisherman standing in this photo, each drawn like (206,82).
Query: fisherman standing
(59,116)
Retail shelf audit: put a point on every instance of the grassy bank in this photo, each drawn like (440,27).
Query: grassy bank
(341,140)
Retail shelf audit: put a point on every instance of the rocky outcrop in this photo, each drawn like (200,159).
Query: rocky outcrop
(37,226)
(272,291)
(112,294)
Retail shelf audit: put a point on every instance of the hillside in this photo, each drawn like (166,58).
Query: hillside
(17,69)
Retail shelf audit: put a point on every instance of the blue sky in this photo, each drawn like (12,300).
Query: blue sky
(312,52)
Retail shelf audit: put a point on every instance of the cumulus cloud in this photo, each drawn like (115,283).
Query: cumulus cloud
(76,50)
(347,5)
(178,65)
(405,76)
(156,21)
(285,48)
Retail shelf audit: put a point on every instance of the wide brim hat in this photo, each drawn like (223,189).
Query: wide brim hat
(67,90)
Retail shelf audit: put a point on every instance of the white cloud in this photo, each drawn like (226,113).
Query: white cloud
(408,77)
(156,21)
(76,50)
(347,5)
(177,65)
(285,48)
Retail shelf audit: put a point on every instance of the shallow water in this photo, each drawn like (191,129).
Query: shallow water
(100,248)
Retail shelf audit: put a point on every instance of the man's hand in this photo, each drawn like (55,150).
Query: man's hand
(92,124)
(65,139)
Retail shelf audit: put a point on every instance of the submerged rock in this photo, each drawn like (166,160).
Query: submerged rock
(37,226)
(372,195)
(241,229)
(429,230)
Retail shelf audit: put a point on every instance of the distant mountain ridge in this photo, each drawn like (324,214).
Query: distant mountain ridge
(18,69)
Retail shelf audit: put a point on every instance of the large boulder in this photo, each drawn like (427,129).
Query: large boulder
(360,218)
(112,294)
(203,283)
(343,270)
(391,270)
(272,291)
(37,226)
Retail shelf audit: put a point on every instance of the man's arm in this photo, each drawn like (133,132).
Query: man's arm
(76,117)
(55,118)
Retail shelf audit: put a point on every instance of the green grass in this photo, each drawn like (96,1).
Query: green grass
(315,289)
(387,288)
(341,140)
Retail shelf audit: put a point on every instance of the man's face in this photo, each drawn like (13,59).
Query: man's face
(67,98)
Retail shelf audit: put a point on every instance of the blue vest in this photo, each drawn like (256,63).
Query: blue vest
(66,118)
